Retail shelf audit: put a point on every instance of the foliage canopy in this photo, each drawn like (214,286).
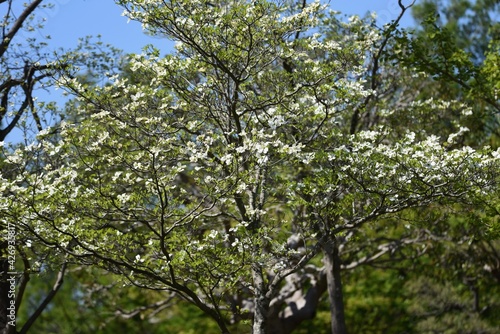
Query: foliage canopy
(237,172)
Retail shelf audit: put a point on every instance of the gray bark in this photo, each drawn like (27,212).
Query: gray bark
(334,286)
(299,307)
(4,300)
(261,302)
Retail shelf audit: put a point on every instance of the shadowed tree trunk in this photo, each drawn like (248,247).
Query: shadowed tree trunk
(4,298)
(334,286)
(261,312)
(301,306)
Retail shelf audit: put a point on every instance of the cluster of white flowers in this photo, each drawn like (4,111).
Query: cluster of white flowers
(418,168)
(452,137)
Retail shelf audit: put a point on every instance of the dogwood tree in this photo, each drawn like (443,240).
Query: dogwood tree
(238,170)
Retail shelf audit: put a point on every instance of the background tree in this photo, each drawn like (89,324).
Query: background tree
(457,44)
(25,67)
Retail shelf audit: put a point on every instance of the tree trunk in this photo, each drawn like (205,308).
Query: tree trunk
(261,311)
(334,286)
(287,316)
(7,317)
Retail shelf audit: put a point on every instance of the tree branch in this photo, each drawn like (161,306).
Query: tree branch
(375,68)
(47,300)
(17,25)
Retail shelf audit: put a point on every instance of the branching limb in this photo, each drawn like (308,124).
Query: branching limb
(375,66)
(47,300)
(7,39)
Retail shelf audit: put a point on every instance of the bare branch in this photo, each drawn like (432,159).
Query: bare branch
(47,300)
(157,307)
(17,25)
